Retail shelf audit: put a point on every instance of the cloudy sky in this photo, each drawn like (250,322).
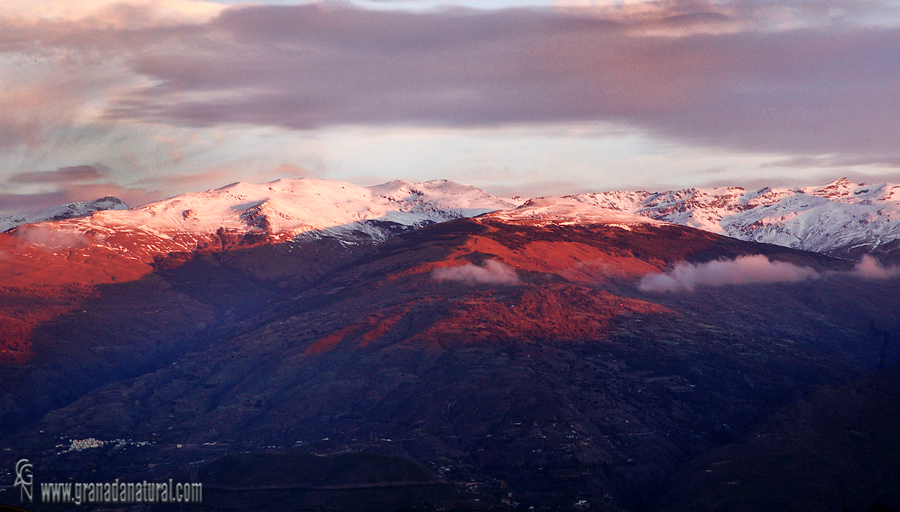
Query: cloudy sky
(531,97)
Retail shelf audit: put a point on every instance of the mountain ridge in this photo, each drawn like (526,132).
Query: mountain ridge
(63,211)
(842,219)
(250,214)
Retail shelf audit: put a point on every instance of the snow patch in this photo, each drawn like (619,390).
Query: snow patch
(568,210)
(822,219)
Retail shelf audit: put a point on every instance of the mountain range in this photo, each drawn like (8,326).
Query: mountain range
(315,345)
(843,218)
(63,211)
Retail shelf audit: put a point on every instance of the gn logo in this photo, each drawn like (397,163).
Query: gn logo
(24,480)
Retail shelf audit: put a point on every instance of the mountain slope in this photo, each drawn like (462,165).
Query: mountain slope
(842,218)
(57,264)
(64,211)
(505,360)
(247,214)
(834,450)
(559,384)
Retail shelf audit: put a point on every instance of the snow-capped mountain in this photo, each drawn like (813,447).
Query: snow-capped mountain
(64,211)
(842,218)
(249,214)
(568,210)
(287,208)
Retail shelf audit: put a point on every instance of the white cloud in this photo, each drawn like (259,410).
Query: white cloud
(493,272)
(739,271)
(756,269)
(871,269)
(49,238)
(67,10)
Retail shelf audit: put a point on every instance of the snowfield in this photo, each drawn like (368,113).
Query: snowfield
(842,218)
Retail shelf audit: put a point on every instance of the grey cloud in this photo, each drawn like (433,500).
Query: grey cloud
(26,204)
(702,72)
(74,174)
(12,204)
(842,161)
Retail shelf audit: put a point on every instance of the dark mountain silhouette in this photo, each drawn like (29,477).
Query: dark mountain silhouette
(834,450)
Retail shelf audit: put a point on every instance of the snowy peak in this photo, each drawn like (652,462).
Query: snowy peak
(241,214)
(841,218)
(290,207)
(845,191)
(64,211)
(567,210)
(442,197)
(838,190)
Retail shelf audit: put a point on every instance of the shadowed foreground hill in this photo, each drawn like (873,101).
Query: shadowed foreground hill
(838,449)
(562,385)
